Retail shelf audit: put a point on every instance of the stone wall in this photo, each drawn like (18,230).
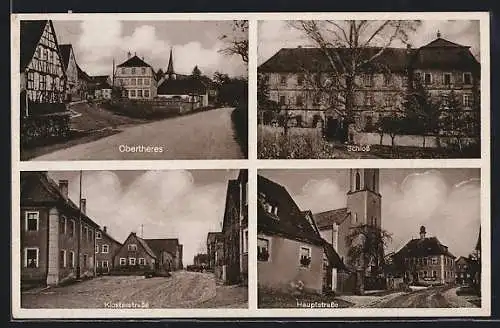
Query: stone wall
(370,138)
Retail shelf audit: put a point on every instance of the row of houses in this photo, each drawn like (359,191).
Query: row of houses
(304,82)
(50,76)
(227,250)
(60,242)
(312,250)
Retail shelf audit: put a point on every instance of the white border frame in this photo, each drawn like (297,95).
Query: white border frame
(252,163)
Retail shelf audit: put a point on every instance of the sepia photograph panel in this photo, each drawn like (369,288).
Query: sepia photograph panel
(369,238)
(368,89)
(117,90)
(133,239)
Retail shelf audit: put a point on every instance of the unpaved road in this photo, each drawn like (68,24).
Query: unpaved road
(182,290)
(203,135)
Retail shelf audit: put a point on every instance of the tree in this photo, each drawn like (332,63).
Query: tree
(454,121)
(237,42)
(392,125)
(366,247)
(349,48)
(421,111)
(196,72)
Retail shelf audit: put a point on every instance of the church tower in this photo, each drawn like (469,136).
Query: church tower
(170,69)
(363,197)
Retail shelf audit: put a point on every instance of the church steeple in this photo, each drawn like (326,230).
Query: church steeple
(170,68)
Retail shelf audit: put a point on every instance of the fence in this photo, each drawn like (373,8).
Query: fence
(369,138)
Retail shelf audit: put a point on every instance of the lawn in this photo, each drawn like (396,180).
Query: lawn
(268,298)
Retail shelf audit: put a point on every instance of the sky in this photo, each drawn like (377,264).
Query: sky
(96,43)
(169,204)
(445,201)
(274,35)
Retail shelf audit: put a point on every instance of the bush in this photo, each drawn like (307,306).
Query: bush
(39,130)
(299,144)
(239,117)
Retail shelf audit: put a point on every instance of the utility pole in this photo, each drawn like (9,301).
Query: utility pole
(79,230)
(142,230)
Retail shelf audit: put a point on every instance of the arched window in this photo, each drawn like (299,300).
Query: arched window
(358,181)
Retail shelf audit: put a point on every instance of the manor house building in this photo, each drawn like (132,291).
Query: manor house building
(441,65)
(137,78)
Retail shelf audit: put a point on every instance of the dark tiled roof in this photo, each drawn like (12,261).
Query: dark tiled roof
(144,245)
(291,224)
(440,54)
(160,245)
(315,59)
(82,74)
(328,218)
(423,247)
(333,256)
(30,34)
(214,236)
(65,51)
(100,78)
(38,181)
(186,86)
(134,62)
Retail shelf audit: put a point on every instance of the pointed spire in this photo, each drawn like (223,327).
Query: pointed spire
(170,68)
(438,34)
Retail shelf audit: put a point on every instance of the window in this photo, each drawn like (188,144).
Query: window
(85,260)
(447,78)
(139,93)
(123,261)
(97,249)
(104,263)
(132,93)
(72,259)
(262,249)
(146,81)
(467,100)
(299,101)
(305,257)
(142,261)
(146,93)
(282,100)
(283,79)
(132,247)
(427,78)
(71,228)
(434,274)
(124,71)
(131,261)
(132,81)
(133,70)
(316,100)
(434,260)
(355,218)
(62,258)
(105,249)
(367,80)
(31,257)
(32,221)
(368,99)
(98,235)
(358,181)
(300,79)
(91,235)
(467,78)
(245,241)
(139,81)
(425,274)
(143,70)
(388,79)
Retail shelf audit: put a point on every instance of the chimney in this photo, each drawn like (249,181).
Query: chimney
(83,205)
(105,229)
(63,187)
(422,232)
(299,47)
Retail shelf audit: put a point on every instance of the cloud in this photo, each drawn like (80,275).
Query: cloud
(447,211)
(98,44)
(167,203)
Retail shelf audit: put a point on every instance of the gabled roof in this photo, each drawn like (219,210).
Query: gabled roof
(463,259)
(333,257)
(188,86)
(291,224)
(82,74)
(143,243)
(134,62)
(328,218)
(170,245)
(47,193)
(65,51)
(30,34)
(442,43)
(110,237)
(421,247)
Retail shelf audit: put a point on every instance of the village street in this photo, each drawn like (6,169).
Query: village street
(183,290)
(432,297)
(204,135)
